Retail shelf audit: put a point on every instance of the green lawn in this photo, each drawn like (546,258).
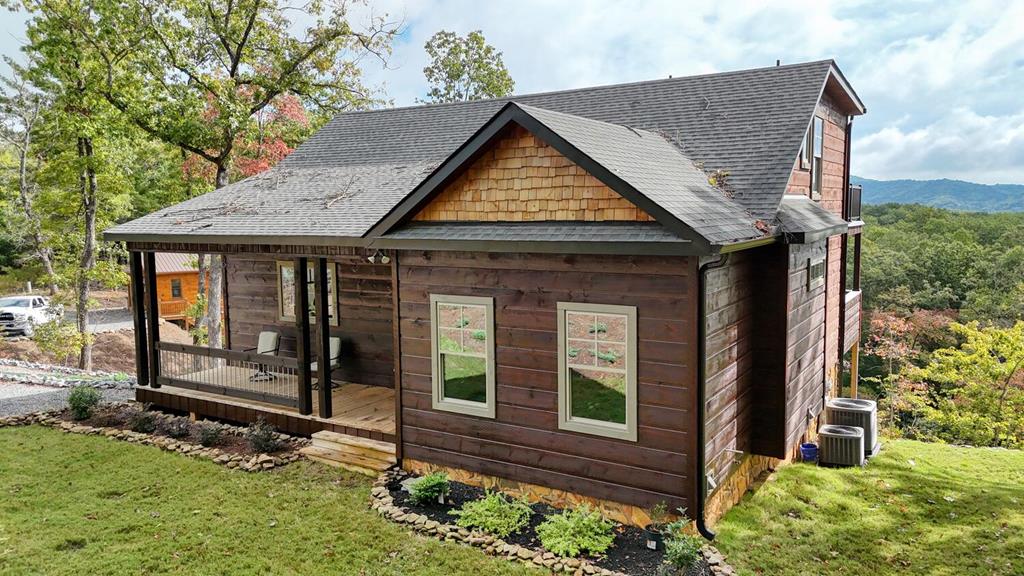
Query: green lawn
(72,504)
(915,509)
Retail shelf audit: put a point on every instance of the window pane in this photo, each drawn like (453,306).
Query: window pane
(287,290)
(611,355)
(579,325)
(464,377)
(581,352)
(473,317)
(449,315)
(474,341)
(450,340)
(610,327)
(597,395)
(818,136)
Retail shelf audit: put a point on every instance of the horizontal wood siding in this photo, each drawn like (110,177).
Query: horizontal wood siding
(771,313)
(523,442)
(805,343)
(364,304)
(730,361)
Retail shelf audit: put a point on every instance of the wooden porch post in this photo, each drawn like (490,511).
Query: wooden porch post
(302,337)
(138,296)
(153,317)
(321,292)
(854,368)
(396,334)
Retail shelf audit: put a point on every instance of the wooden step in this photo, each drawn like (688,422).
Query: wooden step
(315,454)
(370,462)
(326,436)
(356,451)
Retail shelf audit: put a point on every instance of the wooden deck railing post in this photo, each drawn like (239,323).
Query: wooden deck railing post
(153,317)
(321,292)
(302,337)
(138,295)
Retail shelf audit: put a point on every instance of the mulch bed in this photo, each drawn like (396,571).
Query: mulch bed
(628,554)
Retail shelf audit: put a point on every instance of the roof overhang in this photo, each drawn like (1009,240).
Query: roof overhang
(802,220)
(492,130)
(839,88)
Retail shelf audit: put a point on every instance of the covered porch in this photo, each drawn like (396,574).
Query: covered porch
(349,324)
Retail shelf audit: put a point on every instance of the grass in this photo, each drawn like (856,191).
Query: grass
(73,504)
(916,508)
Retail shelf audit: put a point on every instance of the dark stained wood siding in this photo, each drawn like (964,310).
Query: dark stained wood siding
(364,303)
(730,361)
(770,326)
(805,349)
(523,442)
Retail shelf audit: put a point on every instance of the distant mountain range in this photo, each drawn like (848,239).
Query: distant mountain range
(944,193)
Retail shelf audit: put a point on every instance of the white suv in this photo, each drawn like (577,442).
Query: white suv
(21,314)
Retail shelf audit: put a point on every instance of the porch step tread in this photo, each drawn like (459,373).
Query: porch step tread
(362,451)
(365,443)
(333,457)
(344,465)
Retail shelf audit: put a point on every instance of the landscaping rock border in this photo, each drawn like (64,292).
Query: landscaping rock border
(246,463)
(384,504)
(65,377)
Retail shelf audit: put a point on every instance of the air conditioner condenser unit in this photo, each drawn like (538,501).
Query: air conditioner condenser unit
(856,412)
(840,445)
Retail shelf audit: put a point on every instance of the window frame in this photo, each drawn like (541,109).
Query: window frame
(566,421)
(817,143)
(438,400)
(815,281)
(176,283)
(805,148)
(332,290)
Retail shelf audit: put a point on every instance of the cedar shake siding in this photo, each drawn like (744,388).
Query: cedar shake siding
(523,442)
(364,304)
(805,354)
(522,179)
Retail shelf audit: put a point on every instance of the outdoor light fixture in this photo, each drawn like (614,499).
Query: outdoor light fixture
(379,257)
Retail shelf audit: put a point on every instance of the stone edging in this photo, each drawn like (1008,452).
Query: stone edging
(255,463)
(65,377)
(384,504)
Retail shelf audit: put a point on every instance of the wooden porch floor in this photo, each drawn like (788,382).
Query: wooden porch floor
(357,406)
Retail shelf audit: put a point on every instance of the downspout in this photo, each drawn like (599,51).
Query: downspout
(701,475)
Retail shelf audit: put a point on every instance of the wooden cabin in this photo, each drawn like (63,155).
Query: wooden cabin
(177,284)
(625,294)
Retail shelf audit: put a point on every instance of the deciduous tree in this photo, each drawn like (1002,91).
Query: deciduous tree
(465,68)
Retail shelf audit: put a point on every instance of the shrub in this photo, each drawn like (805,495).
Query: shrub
(682,550)
(142,421)
(494,513)
(576,531)
(82,401)
(179,428)
(429,489)
(262,436)
(210,433)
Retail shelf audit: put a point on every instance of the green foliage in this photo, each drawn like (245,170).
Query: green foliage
(82,401)
(465,68)
(682,550)
(429,489)
(495,513)
(262,436)
(479,335)
(195,312)
(142,421)
(179,428)
(210,434)
(60,340)
(576,531)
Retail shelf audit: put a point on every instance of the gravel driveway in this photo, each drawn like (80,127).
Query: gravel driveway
(18,398)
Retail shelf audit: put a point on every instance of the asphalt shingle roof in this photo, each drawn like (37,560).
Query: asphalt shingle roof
(536,232)
(341,181)
(805,219)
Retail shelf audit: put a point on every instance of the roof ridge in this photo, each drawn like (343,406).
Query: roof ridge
(513,97)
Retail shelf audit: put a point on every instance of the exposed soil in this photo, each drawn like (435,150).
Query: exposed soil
(628,554)
(111,351)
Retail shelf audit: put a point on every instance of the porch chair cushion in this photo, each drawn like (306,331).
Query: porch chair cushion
(269,343)
(335,345)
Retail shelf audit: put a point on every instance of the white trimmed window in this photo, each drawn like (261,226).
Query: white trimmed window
(817,149)
(462,354)
(597,369)
(815,273)
(286,291)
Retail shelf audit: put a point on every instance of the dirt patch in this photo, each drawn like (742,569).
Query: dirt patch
(111,351)
(110,298)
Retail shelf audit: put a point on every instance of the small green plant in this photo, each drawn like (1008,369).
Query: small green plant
(574,352)
(659,516)
(463,322)
(262,436)
(494,513)
(210,434)
(429,489)
(142,421)
(82,400)
(179,428)
(599,328)
(682,550)
(609,357)
(576,531)
(480,335)
(61,340)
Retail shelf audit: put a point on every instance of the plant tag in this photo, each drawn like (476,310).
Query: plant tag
(652,545)
(440,499)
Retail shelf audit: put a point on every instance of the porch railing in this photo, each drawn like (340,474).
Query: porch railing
(851,320)
(272,379)
(853,202)
(173,308)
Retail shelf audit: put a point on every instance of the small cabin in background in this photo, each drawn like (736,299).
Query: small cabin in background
(177,284)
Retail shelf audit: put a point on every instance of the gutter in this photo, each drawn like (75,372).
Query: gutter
(701,476)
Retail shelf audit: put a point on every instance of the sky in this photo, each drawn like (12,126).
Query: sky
(943,81)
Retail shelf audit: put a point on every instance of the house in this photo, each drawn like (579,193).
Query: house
(625,294)
(177,283)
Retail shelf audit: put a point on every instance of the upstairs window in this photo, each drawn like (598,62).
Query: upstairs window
(597,369)
(286,291)
(817,145)
(462,354)
(175,287)
(815,273)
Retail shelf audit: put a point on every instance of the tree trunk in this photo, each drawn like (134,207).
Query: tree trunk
(216,288)
(35,226)
(87,189)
